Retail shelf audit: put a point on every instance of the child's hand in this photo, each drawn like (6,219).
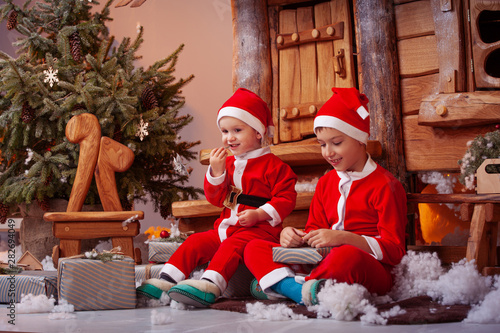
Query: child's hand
(218,161)
(324,237)
(291,237)
(250,217)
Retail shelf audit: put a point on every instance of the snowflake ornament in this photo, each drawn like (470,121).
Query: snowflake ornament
(179,167)
(51,76)
(142,129)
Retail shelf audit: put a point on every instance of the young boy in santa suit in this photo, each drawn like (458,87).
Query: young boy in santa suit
(358,208)
(257,191)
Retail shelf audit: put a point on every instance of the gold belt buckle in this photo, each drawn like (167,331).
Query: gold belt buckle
(232,197)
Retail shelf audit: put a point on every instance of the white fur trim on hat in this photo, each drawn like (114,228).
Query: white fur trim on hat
(242,115)
(336,123)
(362,112)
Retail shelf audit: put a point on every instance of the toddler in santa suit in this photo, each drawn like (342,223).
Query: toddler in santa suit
(257,191)
(359,209)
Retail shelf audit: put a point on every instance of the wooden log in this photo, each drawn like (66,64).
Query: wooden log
(436,148)
(414,19)
(462,109)
(378,59)
(450,51)
(251,55)
(418,56)
(273,16)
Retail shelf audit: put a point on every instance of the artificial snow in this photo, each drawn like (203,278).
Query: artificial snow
(48,264)
(487,311)
(35,304)
(160,318)
(418,274)
(274,312)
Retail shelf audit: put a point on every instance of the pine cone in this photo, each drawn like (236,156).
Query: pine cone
(12,20)
(28,113)
(4,211)
(76,46)
(44,204)
(165,211)
(148,99)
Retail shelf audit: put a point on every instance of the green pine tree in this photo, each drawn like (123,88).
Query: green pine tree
(68,64)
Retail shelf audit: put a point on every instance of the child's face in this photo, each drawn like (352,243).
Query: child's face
(238,136)
(341,151)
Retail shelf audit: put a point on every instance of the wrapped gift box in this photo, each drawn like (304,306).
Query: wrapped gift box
(161,251)
(96,285)
(144,272)
(300,255)
(27,282)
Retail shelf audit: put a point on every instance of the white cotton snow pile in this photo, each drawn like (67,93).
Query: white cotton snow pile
(160,317)
(418,274)
(35,304)
(415,275)
(274,312)
(48,264)
(42,304)
(341,301)
(462,284)
(63,310)
(488,310)
(180,306)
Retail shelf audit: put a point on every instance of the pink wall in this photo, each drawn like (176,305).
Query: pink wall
(205,27)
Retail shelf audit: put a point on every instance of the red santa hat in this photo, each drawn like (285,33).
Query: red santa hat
(249,108)
(347,112)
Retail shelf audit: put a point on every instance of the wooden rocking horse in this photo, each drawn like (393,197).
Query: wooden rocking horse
(103,157)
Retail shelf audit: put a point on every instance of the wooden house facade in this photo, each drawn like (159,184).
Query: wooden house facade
(430,68)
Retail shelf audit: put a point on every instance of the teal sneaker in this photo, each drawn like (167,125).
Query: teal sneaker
(257,291)
(198,293)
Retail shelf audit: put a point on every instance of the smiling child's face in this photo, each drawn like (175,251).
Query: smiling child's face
(238,136)
(340,150)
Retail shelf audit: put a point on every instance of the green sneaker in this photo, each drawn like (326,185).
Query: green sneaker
(257,291)
(198,293)
(149,291)
(310,291)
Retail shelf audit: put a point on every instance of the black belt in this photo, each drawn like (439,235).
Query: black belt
(236,197)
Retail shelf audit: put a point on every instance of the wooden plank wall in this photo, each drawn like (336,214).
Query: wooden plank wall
(426,147)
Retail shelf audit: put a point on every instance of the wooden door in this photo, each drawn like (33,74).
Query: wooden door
(314,53)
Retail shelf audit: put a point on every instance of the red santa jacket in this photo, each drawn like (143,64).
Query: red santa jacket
(259,173)
(370,203)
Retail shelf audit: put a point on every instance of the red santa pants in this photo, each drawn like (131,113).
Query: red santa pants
(345,263)
(224,257)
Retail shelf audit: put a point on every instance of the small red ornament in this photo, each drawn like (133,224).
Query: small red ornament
(164,234)
(497,126)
